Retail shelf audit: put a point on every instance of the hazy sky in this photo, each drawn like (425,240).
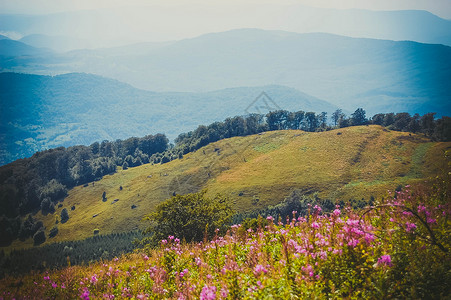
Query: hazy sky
(106,23)
(441,8)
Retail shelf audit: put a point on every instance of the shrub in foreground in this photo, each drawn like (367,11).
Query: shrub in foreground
(191,217)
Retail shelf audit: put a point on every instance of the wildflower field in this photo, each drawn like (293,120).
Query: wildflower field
(397,248)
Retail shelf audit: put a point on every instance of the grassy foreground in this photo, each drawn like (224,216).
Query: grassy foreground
(254,172)
(398,248)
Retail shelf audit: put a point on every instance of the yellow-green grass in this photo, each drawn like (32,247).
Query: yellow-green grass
(254,172)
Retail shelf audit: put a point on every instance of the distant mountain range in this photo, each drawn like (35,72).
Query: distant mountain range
(378,75)
(41,112)
(412,25)
(106,28)
(10,48)
(56,43)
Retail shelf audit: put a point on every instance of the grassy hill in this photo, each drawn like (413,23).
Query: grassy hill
(254,172)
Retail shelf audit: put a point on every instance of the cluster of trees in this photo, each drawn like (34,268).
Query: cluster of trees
(247,125)
(58,255)
(39,182)
(436,129)
(12,228)
(439,129)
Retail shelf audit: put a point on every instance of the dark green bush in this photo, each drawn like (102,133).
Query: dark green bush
(64,215)
(53,191)
(47,206)
(53,232)
(39,237)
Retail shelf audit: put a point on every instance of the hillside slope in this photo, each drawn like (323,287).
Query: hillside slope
(254,172)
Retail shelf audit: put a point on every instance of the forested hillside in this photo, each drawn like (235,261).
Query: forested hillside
(40,182)
(355,164)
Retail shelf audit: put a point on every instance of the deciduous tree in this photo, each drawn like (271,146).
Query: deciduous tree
(189,217)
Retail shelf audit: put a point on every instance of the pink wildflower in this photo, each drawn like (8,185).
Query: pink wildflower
(85,294)
(353,242)
(185,271)
(317,208)
(224,293)
(385,260)
(308,269)
(410,227)
(315,225)
(208,293)
(431,220)
(198,261)
(94,279)
(369,237)
(421,208)
(259,269)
